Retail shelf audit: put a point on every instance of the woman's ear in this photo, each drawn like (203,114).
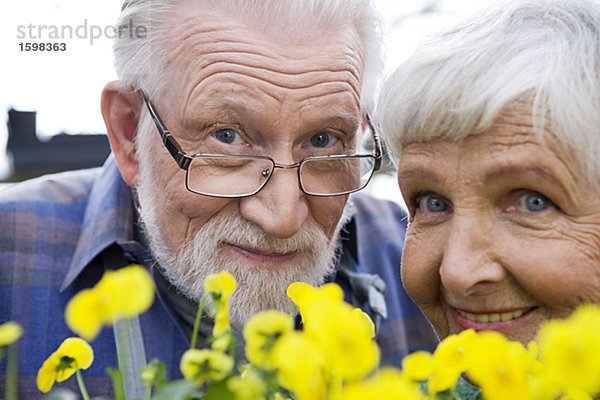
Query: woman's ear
(120,110)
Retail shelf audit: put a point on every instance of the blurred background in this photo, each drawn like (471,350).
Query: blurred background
(49,100)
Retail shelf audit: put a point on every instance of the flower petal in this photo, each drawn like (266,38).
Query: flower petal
(10,332)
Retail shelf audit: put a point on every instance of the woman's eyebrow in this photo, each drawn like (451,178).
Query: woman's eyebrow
(538,170)
(418,172)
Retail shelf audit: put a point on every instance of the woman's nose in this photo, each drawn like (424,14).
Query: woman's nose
(469,259)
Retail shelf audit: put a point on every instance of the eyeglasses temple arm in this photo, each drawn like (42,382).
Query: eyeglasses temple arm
(169,141)
(376,142)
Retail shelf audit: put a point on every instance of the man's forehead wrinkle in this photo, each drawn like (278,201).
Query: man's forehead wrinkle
(320,87)
(290,68)
(213,43)
(322,83)
(346,111)
(218,63)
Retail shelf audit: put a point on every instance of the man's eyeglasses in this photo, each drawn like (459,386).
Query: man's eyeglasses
(226,175)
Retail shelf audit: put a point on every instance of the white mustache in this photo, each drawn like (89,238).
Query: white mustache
(234,229)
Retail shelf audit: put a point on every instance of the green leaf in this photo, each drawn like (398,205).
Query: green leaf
(219,391)
(269,378)
(157,368)
(117,380)
(176,390)
(161,375)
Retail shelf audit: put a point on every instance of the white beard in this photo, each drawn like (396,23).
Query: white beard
(257,288)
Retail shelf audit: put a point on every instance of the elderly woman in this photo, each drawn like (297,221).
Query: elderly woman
(496,127)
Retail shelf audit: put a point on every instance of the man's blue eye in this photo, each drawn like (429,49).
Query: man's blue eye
(226,135)
(321,139)
(433,203)
(533,202)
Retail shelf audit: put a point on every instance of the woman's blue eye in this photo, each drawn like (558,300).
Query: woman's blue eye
(322,139)
(433,203)
(228,136)
(533,202)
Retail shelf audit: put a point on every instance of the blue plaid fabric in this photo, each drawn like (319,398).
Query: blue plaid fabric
(52,233)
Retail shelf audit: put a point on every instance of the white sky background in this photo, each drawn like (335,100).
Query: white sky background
(64,87)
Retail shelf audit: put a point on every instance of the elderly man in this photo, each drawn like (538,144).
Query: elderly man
(236,131)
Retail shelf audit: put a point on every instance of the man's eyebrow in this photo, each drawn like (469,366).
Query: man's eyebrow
(340,117)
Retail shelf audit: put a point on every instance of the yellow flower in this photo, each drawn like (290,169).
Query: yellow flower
(388,383)
(74,353)
(201,365)
(345,336)
(307,297)
(10,332)
(501,368)
(300,366)
(575,394)
(84,314)
(248,386)
(223,341)
(126,292)
(151,371)
(543,389)
(147,375)
(417,366)
(220,285)
(533,349)
(122,293)
(570,350)
(302,294)
(449,360)
(221,320)
(342,333)
(261,332)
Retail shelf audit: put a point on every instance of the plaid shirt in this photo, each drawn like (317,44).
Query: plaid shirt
(54,229)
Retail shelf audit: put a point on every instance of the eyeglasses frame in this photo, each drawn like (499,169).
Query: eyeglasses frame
(184,160)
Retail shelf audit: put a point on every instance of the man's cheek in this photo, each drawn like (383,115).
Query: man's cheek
(328,212)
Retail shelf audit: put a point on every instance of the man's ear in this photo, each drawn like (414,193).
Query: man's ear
(120,110)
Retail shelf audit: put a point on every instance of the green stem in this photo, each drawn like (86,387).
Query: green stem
(123,353)
(148,392)
(11,372)
(197,322)
(82,388)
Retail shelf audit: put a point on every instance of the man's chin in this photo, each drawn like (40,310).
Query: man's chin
(241,310)
(260,290)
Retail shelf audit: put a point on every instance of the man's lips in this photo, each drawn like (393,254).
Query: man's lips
(262,255)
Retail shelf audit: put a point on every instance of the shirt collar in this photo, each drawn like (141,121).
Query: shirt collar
(108,219)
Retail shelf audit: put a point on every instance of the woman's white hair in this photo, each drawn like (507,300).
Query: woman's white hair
(458,81)
(141,50)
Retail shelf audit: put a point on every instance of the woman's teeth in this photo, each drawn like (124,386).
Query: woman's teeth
(494,317)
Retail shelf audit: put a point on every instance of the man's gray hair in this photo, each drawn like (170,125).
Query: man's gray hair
(458,81)
(141,61)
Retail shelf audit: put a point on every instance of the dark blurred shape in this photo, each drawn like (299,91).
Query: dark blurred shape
(32,157)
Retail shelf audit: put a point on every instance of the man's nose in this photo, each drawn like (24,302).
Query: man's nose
(469,260)
(281,207)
